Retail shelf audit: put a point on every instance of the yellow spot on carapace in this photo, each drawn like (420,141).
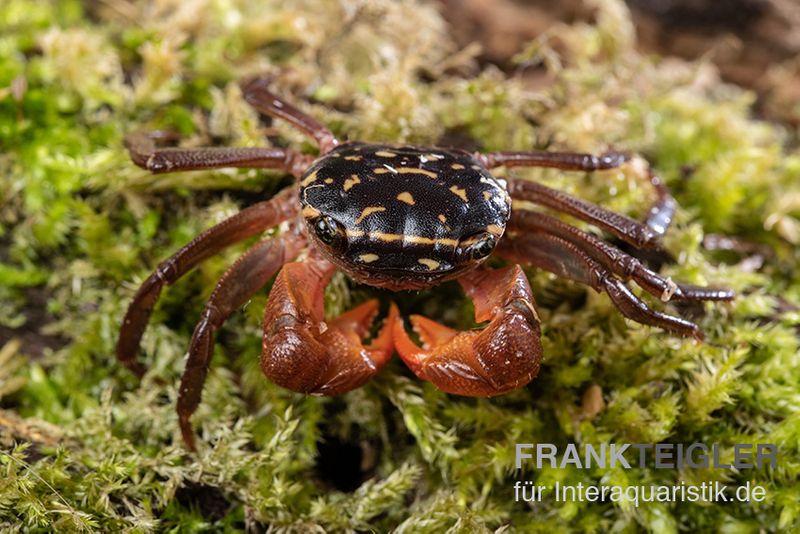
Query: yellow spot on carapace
(475,167)
(429,263)
(328,180)
(487,195)
(413,239)
(310,212)
(406,197)
(417,170)
(442,218)
(494,229)
(369,258)
(369,211)
(350,182)
(385,169)
(385,154)
(353,158)
(405,170)
(311,178)
(457,166)
(462,193)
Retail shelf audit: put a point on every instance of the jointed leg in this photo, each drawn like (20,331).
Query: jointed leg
(239,283)
(248,222)
(612,259)
(658,218)
(302,352)
(147,155)
(625,228)
(568,161)
(503,356)
(256,92)
(565,259)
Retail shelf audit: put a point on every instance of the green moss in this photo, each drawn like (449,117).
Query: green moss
(86,447)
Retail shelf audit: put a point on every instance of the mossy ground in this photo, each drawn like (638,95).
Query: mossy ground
(87,447)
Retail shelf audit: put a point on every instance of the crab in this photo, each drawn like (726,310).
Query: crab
(400,217)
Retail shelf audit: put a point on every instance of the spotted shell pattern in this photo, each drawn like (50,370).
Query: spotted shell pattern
(407,214)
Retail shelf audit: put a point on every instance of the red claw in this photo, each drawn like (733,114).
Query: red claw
(502,357)
(302,352)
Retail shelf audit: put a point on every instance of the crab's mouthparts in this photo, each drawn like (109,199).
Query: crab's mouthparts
(401,280)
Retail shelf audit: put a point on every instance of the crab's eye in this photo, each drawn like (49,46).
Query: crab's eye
(326,230)
(476,247)
(330,232)
(482,247)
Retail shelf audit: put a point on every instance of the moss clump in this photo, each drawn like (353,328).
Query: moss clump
(85,447)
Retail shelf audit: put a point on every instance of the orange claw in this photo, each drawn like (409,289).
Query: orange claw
(502,357)
(302,352)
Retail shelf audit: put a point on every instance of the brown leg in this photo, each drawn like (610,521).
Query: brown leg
(256,92)
(145,154)
(625,228)
(568,161)
(612,259)
(563,258)
(239,283)
(248,222)
(502,357)
(302,352)
(658,218)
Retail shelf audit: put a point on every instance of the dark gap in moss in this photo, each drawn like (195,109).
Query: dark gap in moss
(392,417)
(31,450)
(32,52)
(93,11)
(345,457)
(176,313)
(36,317)
(339,462)
(209,501)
